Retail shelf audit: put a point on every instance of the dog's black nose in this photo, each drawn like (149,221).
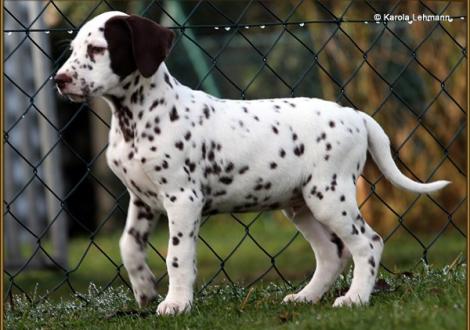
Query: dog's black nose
(62,80)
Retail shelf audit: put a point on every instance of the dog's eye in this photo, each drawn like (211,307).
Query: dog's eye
(93,50)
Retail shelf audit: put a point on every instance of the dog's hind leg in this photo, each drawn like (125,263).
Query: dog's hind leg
(330,254)
(140,221)
(334,206)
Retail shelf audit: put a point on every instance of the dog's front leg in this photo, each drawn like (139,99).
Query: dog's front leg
(183,221)
(140,221)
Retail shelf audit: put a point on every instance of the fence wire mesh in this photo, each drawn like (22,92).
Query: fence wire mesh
(344,52)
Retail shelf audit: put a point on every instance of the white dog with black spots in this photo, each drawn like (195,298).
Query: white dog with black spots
(184,153)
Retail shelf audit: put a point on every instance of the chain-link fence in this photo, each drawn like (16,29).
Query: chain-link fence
(62,206)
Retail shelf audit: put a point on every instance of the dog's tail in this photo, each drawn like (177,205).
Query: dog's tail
(379,148)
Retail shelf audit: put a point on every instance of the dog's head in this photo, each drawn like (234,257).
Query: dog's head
(107,49)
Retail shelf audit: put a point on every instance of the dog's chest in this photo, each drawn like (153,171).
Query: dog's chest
(125,162)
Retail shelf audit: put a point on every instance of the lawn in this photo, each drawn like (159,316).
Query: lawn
(430,297)
(426,299)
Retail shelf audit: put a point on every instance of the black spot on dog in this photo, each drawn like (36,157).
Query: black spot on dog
(307,180)
(354,230)
(299,150)
(229,167)
(332,124)
(210,155)
(243,170)
(275,130)
(135,96)
(154,104)
(226,180)
(371,261)
(175,240)
(167,80)
(179,145)
(273,165)
(220,193)
(282,153)
(206,111)
(339,244)
(174,114)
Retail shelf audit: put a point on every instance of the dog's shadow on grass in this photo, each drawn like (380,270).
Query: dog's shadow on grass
(131,313)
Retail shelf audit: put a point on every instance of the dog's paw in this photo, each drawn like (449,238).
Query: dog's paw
(349,301)
(173,307)
(298,298)
(144,297)
(144,290)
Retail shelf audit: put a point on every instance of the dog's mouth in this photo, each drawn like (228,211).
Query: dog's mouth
(75,97)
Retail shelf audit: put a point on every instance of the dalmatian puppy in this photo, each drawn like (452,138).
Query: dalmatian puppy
(185,154)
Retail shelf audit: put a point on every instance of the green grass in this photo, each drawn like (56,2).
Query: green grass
(427,299)
(88,264)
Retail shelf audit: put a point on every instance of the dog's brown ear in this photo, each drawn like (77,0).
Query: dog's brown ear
(135,42)
(150,43)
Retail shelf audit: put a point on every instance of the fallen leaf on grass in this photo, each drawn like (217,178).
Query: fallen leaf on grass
(246,298)
(457,261)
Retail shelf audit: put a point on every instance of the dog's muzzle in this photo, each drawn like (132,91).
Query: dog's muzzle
(62,81)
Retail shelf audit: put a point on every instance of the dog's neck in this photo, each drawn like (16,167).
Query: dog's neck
(132,89)
(136,95)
